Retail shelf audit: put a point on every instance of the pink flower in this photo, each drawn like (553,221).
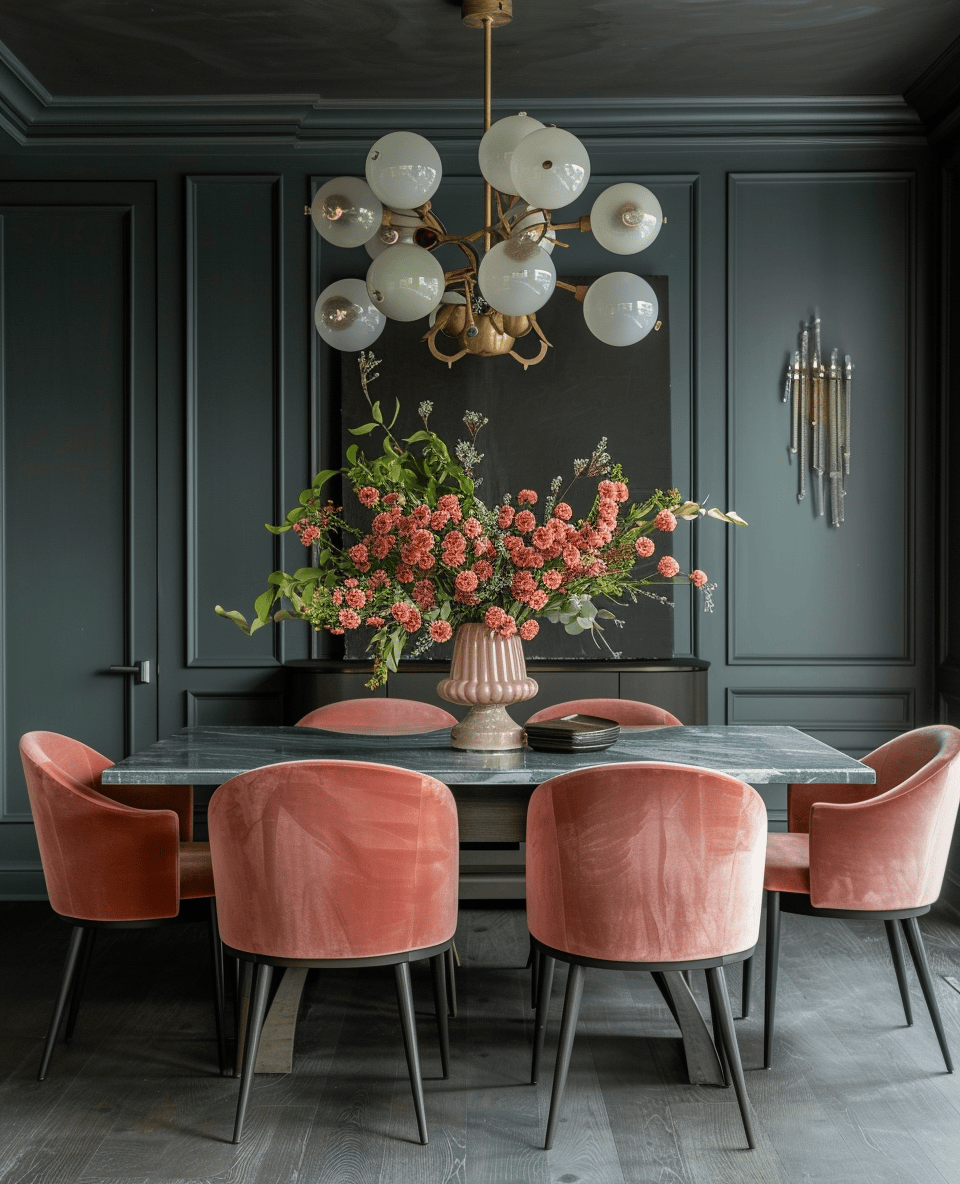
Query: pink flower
(355,598)
(360,556)
(337,632)
(368,495)
(508,627)
(425,561)
(380,547)
(529,630)
(668,567)
(404,574)
(644,547)
(538,599)
(420,515)
(665,521)
(450,504)
(571,556)
(393,499)
(607,489)
(441,631)
(527,496)
(439,519)
(375,621)
(379,577)
(542,538)
(353,582)
(348,618)
(308,535)
(482,569)
(505,517)
(552,579)
(399,611)
(466,581)
(698,578)
(562,511)
(382,524)
(623,493)
(524,522)
(337,597)
(494,617)
(413,621)
(423,594)
(472,528)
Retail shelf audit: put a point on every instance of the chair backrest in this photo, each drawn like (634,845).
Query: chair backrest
(102,861)
(334,859)
(378,717)
(889,851)
(626,712)
(645,862)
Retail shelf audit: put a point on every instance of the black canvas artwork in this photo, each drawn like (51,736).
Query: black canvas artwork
(540,420)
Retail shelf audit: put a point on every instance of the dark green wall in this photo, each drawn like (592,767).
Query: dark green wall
(224,407)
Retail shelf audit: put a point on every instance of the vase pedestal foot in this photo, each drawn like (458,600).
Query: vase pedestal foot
(487,727)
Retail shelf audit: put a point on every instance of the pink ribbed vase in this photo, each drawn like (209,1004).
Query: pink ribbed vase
(487,673)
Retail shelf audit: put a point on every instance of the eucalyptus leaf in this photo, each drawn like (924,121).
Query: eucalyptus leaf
(323,477)
(264,603)
(302,574)
(238,618)
(364,430)
(276,529)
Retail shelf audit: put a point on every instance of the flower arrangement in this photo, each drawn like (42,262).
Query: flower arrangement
(436,556)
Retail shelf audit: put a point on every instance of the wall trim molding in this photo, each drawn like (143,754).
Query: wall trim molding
(936,93)
(33,116)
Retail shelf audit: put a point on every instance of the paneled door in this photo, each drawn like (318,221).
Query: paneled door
(78,455)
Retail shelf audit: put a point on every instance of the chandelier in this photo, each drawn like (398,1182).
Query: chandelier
(508,273)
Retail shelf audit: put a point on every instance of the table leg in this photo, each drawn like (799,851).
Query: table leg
(703,1063)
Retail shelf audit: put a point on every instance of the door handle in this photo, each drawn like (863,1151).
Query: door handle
(139,670)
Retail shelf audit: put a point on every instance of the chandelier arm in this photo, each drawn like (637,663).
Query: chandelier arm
(579,290)
(582,224)
(527,362)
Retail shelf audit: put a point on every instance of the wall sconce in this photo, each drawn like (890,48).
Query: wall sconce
(819,398)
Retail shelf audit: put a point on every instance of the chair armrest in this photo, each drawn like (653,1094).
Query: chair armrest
(800,799)
(178,798)
(875,855)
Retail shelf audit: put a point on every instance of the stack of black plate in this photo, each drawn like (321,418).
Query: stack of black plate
(572,733)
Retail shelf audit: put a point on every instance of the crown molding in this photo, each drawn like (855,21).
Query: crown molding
(33,117)
(936,93)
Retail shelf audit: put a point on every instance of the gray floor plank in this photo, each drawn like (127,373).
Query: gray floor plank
(855,1097)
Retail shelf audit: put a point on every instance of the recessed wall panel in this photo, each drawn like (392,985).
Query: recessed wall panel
(233,383)
(801,590)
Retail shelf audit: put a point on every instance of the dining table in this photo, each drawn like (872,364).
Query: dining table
(491,790)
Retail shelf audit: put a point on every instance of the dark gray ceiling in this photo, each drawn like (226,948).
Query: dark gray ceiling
(382,50)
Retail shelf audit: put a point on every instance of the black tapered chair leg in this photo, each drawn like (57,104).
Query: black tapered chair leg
(568,1030)
(66,982)
(772,967)
(746,988)
(717,984)
(216,966)
(438,964)
(86,953)
(244,992)
(919,955)
(899,965)
(687,977)
(410,1047)
(535,962)
(451,961)
(255,1018)
(718,1040)
(547,967)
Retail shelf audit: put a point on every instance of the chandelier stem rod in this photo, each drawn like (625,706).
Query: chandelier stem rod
(487,106)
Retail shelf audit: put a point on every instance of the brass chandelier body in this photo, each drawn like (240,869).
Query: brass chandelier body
(463,315)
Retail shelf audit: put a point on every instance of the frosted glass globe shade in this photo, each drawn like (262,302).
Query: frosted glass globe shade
(549,168)
(403,170)
(516,277)
(620,308)
(345,316)
(346,211)
(519,221)
(497,147)
(405,282)
(626,218)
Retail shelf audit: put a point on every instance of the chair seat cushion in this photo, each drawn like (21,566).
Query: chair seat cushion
(788,863)
(196,870)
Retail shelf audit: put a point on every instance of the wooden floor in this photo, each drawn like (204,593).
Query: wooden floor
(854,1095)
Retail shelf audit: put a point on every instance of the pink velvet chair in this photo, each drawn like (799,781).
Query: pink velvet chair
(875,851)
(336,863)
(643,866)
(626,712)
(118,858)
(378,717)
(388,717)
